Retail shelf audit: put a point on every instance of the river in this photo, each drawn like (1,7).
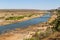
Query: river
(26,23)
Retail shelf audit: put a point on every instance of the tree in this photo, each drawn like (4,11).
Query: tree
(57,22)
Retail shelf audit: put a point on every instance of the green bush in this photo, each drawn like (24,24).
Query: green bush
(33,38)
(14,18)
(30,15)
(57,22)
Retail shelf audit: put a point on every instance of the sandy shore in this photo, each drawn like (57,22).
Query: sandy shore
(53,17)
(24,33)
(5,22)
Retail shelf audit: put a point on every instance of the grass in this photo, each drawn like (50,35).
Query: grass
(30,15)
(14,18)
(33,38)
(41,35)
(18,17)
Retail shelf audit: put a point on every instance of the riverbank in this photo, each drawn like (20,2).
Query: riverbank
(20,34)
(6,22)
(53,17)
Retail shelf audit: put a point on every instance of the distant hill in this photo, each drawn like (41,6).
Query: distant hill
(4,12)
(22,11)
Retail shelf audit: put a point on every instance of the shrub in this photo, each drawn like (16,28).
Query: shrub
(14,18)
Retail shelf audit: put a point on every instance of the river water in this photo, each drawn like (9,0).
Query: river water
(25,23)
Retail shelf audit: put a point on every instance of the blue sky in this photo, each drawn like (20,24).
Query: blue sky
(29,4)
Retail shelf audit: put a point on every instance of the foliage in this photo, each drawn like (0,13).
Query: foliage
(30,15)
(57,22)
(14,18)
(41,35)
(33,38)
(18,17)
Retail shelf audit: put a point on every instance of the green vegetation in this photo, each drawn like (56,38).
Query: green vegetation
(33,38)
(18,17)
(30,15)
(41,35)
(56,22)
(14,18)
